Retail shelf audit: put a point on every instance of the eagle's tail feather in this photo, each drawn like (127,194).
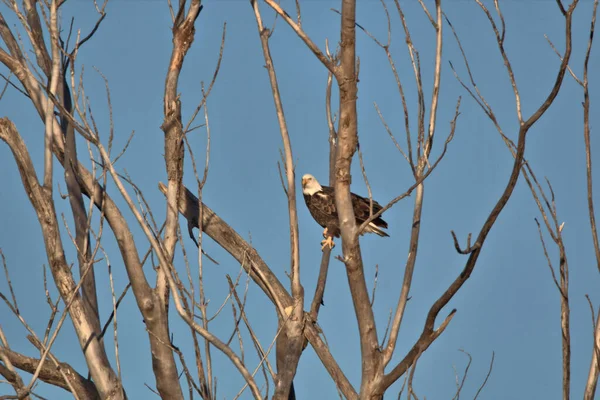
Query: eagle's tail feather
(372,228)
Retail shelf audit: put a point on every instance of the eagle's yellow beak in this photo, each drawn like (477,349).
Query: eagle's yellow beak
(304,180)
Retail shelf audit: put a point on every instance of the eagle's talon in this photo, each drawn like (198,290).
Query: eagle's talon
(327,242)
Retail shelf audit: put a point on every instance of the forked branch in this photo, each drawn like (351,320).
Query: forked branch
(429,333)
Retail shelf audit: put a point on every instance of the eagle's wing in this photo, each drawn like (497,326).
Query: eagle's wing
(322,207)
(324,202)
(361,206)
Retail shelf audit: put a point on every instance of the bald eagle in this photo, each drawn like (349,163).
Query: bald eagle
(320,201)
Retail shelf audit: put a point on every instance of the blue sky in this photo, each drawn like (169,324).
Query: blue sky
(509,306)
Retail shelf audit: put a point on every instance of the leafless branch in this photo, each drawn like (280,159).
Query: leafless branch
(326,256)
(487,376)
(55,375)
(9,283)
(586,136)
(547,256)
(422,177)
(459,386)
(429,334)
(347,141)
(170,281)
(261,274)
(205,95)
(560,57)
(293,338)
(301,34)
(592,381)
(409,387)
(414,57)
(262,354)
(41,200)
(391,134)
(435,94)
(374,284)
(8,370)
(467,250)
(53,86)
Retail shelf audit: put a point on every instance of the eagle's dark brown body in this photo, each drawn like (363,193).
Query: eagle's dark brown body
(322,208)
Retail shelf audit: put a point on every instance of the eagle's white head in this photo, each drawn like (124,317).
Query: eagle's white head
(310,185)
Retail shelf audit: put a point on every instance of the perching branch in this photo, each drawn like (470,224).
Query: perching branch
(326,256)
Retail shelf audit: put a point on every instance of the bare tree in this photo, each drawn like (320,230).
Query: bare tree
(54,85)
